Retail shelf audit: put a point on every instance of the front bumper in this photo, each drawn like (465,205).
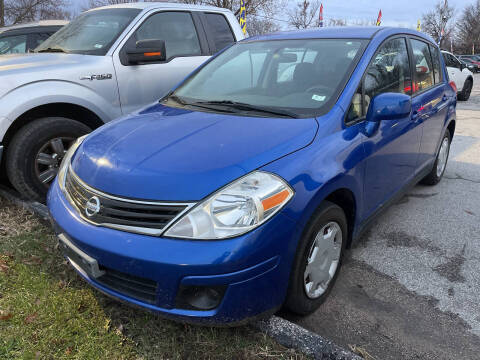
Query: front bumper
(254,268)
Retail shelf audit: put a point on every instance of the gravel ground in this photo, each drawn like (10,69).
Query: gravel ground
(410,288)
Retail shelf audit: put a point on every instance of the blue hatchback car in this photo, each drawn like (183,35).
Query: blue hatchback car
(239,191)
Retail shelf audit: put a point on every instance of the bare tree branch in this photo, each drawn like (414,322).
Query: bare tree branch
(468,29)
(305,14)
(21,11)
(257,26)
(433,22)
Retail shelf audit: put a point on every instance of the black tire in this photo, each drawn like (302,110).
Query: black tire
(24,147)
(464,95)
(433,178)
(297,300)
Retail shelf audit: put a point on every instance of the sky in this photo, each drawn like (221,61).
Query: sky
(395,12)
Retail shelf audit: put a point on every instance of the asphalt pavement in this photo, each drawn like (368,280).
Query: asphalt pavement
(410,288)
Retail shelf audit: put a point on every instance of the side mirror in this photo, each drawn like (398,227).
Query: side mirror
(389,106)
(147,51)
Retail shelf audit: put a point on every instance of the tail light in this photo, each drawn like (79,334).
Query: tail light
(454,87)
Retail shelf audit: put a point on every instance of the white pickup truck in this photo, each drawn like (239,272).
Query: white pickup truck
(106,63)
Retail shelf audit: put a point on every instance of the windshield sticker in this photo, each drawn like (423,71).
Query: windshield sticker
(318,97)
(98,46)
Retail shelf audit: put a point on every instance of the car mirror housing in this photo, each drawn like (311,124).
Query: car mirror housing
(389,106)
(147,51)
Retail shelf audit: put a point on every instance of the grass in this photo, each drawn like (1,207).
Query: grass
(48,312)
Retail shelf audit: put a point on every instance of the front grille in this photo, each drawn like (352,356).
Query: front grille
(144,217)
(132,286)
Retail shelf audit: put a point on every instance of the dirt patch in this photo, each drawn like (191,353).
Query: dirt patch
(452,269)
(403,239)
(15,220)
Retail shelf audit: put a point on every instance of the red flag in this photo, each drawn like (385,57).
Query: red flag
(379,19)
(320,16)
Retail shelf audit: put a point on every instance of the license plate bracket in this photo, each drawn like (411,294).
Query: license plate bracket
(79,259)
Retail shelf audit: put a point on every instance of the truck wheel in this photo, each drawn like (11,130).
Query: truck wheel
(438,170)
(464,95)
(318,259)
(36,151)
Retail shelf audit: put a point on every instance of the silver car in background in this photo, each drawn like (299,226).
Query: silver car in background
(19,39)
(108,62)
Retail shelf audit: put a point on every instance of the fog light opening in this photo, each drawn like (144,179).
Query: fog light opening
(200,297)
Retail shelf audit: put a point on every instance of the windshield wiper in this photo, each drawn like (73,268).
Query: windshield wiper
(248,107)
(52,50)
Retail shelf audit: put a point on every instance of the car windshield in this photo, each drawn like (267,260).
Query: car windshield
(92,33)
(295,78)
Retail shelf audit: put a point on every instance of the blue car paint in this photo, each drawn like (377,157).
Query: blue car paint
(317,157)
(113,160)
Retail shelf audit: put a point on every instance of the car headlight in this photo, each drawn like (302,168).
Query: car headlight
(234,210)
(62,171)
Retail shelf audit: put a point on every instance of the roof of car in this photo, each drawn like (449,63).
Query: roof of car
(340,32)
(163,5)
(35,24)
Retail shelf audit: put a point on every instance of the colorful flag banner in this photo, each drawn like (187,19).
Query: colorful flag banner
(442,33)
(379,19)
(320,16)
(243,16)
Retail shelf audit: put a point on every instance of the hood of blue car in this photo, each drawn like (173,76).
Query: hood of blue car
(178,155)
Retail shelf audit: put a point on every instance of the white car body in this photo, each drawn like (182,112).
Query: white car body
(457,73)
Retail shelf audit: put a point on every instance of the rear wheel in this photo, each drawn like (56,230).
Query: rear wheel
(36,151)
(466,91)
(318,260)
(440,165)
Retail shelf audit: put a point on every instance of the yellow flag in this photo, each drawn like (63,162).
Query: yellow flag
(419,25)
(243,16)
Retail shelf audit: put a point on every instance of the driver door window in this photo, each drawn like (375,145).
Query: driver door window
(389,71)
(176,28)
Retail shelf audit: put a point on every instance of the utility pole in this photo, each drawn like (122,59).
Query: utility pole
(2,13)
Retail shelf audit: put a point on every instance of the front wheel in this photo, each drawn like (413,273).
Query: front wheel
(318,259)
(440,165)
(36,151)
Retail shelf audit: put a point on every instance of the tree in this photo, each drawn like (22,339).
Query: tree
(337,22)
(433,22)
(257,26)
(253,7)
(305,15)
(2,13)
(97,3)
(21,11)
(468,29)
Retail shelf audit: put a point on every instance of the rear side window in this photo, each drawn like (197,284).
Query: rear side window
(424,77)
(176,28)
(220,30)
(437,69)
